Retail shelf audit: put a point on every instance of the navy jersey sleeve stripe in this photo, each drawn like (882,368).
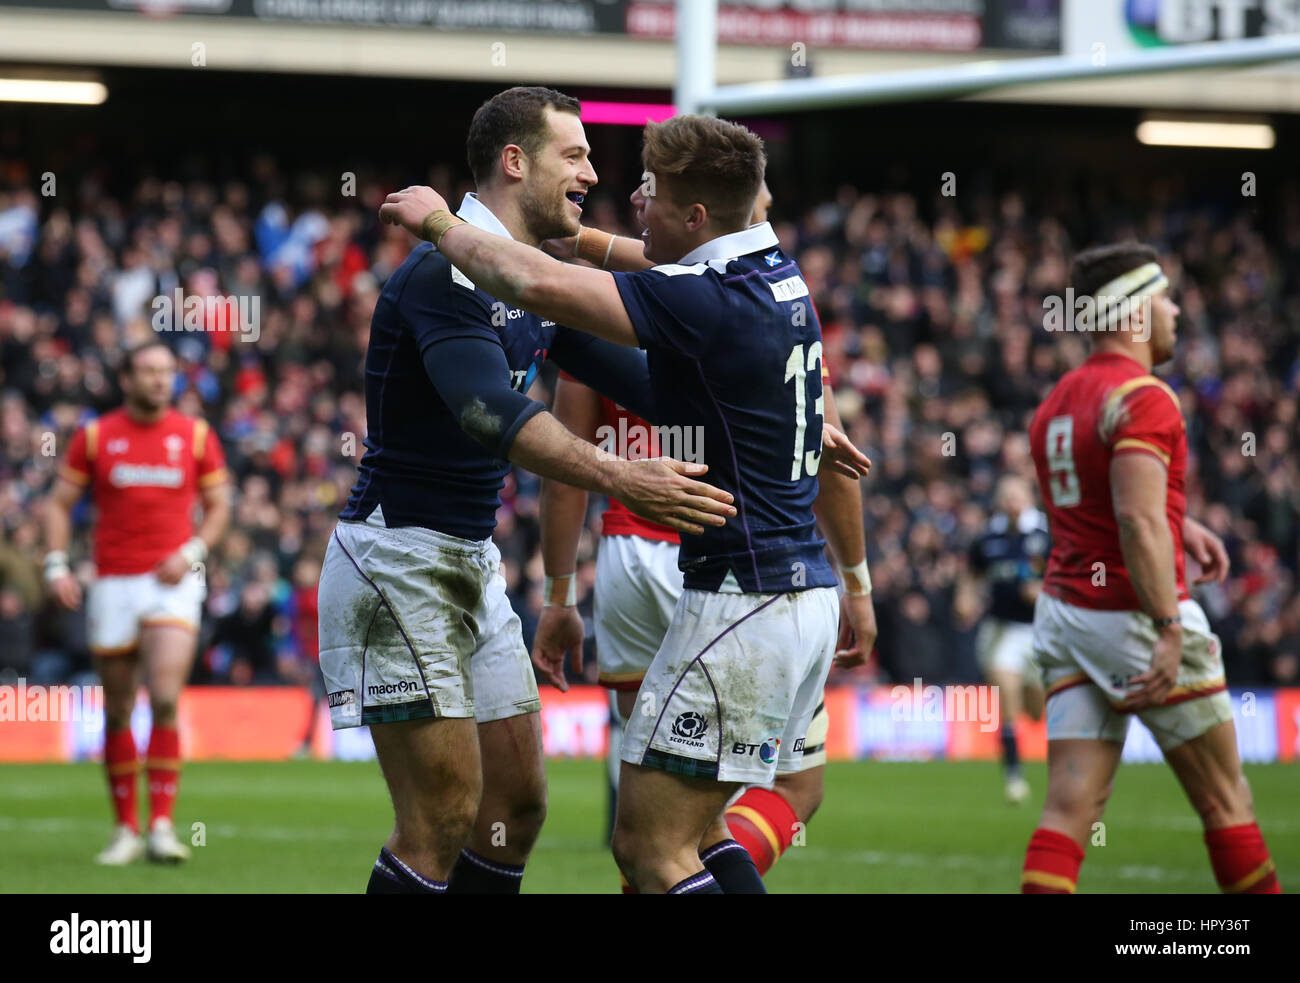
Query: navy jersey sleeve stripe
(616,371)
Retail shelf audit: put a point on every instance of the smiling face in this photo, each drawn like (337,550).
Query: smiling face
(701,176)
(557,178)
(669,229)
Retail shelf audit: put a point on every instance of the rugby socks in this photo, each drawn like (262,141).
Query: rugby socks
(701,883)
(1010,751)
(1051,864)
(391,876)
(1240,860)
(163,767)
(478,875)
(733,868)
(763,822)
(122,766)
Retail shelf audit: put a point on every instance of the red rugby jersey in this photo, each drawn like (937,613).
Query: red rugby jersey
(144,480)
(636,439)
(1109,405)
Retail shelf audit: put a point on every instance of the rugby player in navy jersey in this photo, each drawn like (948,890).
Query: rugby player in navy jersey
(417,638)
(1010,558)
(734,349)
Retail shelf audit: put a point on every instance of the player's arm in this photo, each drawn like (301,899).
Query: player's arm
(214,496)
(838,507)
(616,371)
(215,500)
(1139,485)
(601,249)
(470,374)
(563,508)
(1208,549)
(968,597)
(62,500)
(584,299)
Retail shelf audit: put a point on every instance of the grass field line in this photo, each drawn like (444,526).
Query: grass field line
(998,866)
(1008,866)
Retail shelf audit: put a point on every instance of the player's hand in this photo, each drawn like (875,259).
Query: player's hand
(857,631)
(171,569)
(1207,549)
(559,630)
(659,489)
(838,452)
(1154,685)
(563,248)
(409,207)
(67,591)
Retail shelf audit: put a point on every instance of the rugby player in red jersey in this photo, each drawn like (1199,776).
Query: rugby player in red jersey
(145,465)
(1115,630)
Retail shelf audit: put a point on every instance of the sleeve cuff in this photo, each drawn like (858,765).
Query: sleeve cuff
(508,438)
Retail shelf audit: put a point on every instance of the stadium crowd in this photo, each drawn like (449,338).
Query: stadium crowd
(932,316)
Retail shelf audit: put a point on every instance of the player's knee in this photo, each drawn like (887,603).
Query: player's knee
(527,814)
(446,818)
(1100,798)
(629,852)
(164,711)
(804,792)
(1077,800)
(1225,802)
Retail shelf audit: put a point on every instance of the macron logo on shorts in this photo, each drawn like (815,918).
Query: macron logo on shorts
(388,689)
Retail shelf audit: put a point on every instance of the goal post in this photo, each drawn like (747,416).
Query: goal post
(696,91)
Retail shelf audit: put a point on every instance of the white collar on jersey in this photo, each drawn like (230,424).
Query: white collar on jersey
(480,216)
(732,245)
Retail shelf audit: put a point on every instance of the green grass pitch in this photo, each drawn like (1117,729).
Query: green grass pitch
(885,827)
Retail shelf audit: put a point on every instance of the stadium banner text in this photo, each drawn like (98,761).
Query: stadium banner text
(231,723)
(869,25)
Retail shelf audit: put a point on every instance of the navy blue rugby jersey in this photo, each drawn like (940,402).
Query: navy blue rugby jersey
(1008,556)
(420,466)
(734,347)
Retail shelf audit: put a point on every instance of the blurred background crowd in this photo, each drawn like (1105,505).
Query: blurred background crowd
(932,316)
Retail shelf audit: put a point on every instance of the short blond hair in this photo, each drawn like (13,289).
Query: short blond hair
(701,158)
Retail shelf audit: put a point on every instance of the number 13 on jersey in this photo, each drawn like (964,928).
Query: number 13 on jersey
(797,367)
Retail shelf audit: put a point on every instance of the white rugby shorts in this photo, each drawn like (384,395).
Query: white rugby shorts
(637,587)
(416,624)
(1088,658)
(1007,646)
(117,607)
(735,684)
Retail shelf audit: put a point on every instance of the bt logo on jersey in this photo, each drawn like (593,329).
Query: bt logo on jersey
(767,750)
